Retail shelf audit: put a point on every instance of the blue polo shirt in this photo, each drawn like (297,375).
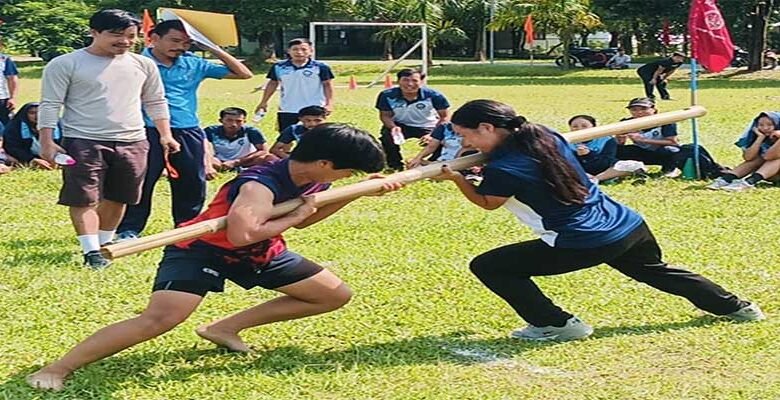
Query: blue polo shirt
(8,68)
(451,142)
(419,113)
(597,222)
(241,145)
(300,86)
(292,133)
(181,81)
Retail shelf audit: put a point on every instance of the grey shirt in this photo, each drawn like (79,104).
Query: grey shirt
(102,96)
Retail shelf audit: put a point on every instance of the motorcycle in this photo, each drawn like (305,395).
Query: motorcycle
(587,57)
(742,58)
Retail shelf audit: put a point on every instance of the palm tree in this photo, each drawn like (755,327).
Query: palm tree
(564,17)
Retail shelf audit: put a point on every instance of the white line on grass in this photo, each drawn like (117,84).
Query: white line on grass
(493,360)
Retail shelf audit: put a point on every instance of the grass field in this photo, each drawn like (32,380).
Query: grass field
(420,326)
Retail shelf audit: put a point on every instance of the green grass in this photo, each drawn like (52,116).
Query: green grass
(420,326)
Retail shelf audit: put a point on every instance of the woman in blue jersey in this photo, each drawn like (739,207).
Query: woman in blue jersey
(532,172)
(598,157)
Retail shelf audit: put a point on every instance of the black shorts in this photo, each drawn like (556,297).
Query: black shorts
(197,271)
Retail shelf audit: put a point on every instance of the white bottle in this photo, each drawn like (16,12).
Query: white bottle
(64,160)
(258,116)
(398,137)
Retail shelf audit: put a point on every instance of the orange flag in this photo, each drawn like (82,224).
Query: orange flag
(528,27)
(146,27)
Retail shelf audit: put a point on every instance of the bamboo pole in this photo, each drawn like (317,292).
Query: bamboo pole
(375,185)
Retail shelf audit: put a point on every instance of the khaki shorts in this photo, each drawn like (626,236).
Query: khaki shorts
(103,170)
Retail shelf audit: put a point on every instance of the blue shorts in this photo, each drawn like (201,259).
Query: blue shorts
(198,271)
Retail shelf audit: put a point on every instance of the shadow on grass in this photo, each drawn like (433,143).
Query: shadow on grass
(25,252)
(113,374)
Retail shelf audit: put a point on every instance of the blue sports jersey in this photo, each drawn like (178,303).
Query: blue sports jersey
(292,133)
(657,133)
(419,113)
(300,86)
(597,222)
(8,68)
(241,145)
(451,142)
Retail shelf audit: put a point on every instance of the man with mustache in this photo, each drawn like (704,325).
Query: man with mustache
(182,73)
(102,89)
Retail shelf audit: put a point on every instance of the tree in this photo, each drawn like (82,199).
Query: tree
(46,28)
(564,17)
(472,17)
(759,21)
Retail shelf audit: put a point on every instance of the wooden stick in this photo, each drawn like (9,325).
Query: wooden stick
(374,185)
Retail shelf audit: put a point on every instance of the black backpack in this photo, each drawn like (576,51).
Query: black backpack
(707,165)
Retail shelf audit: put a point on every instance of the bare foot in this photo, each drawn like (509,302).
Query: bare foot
(46,380)
(225,339)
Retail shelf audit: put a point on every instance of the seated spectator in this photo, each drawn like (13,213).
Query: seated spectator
(308,118)
(598,157)
(21,140)
(408,110)
(619,60)
(443,141)
(234,145)
(760,163)
(653,146)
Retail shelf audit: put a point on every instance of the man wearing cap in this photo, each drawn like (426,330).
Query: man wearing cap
(653,146)
(656,74)
(182,73)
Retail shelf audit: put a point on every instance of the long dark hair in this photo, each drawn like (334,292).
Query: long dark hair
(532,139)
(15,124)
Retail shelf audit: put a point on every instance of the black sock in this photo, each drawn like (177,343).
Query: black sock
(755,178)
(729,177)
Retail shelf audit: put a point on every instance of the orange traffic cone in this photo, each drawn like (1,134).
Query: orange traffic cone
(388,82)
(352,83)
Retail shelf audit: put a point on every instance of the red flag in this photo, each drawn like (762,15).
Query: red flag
(146,27)
(711,42)
(666,35)
(528,27)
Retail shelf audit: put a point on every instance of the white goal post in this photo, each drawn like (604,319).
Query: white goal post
(423,42)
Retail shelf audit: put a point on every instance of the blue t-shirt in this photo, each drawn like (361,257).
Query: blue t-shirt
(181,81)
(292,133)
(598,222)
(657,133)
(300,86)
(419,113)
(243,144)
(451,142)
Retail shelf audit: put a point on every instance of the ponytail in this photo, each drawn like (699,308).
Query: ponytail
(541,145)
(532,139)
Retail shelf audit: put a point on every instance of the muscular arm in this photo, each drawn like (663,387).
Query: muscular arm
(249,219)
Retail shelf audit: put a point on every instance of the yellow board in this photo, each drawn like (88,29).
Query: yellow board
(219,28)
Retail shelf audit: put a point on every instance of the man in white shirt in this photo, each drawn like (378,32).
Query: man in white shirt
(619,60)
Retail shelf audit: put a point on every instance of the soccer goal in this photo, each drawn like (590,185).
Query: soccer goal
(421,44)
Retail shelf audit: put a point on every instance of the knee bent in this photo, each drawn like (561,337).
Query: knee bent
(159,322)
(338,298)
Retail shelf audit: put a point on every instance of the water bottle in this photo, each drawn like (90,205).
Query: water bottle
(64,160)
(398,137)
(258,116)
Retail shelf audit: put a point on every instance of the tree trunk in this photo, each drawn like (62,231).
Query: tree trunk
(265,41)
(480,50)
(627,43)
(759,19)
(566,42)
(614,39)
(388,51)
(584,39)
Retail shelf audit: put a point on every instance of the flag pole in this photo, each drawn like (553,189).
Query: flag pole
(694,123)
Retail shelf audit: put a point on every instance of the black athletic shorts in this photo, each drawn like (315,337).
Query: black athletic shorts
(197,271)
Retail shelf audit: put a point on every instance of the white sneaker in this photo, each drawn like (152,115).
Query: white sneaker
(718,183)
(673,173)
(748,313)
(738,185)
(574,329)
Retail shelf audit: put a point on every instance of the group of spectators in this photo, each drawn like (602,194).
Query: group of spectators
(131,118)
